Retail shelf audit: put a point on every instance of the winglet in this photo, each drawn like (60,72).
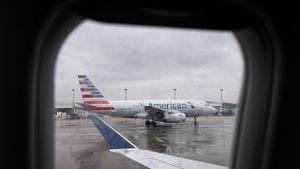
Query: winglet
(113,138)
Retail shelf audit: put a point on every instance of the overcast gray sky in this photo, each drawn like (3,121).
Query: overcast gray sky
(149,62)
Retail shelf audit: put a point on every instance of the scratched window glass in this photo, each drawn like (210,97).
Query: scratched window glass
(129,96)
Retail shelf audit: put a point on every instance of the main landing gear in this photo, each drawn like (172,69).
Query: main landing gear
(151,123)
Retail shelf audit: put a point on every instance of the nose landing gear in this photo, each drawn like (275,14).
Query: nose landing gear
(195,121)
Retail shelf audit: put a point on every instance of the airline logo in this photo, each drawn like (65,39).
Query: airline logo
(172,105)
(92,96)
(169,105)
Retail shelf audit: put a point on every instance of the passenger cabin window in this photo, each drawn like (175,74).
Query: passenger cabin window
(104,69)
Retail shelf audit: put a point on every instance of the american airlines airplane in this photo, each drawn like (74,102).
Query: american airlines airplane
(168,111)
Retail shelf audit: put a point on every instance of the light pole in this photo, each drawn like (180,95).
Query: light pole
(221,99)
(125,93)
(174,94)
(73,102)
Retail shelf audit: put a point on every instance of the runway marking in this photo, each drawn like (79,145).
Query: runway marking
(159,140)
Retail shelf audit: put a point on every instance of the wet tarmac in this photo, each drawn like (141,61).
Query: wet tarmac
(80,145)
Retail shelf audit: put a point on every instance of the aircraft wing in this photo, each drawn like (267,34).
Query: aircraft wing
(119,144)
(155,113)
(152,109)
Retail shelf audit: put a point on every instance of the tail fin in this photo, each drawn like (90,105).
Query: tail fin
(92,96)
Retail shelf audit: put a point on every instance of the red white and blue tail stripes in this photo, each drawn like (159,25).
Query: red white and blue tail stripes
(92,96)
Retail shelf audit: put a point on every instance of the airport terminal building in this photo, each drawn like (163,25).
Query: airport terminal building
(64,111)
(224,108)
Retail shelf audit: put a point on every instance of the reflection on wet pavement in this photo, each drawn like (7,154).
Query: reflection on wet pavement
(209,142)
(80,145)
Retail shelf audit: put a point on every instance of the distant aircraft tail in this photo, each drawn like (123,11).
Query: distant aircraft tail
(92,96)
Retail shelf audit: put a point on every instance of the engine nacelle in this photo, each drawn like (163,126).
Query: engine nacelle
(174,117)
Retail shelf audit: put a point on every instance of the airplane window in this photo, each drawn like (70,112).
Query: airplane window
(170,94)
